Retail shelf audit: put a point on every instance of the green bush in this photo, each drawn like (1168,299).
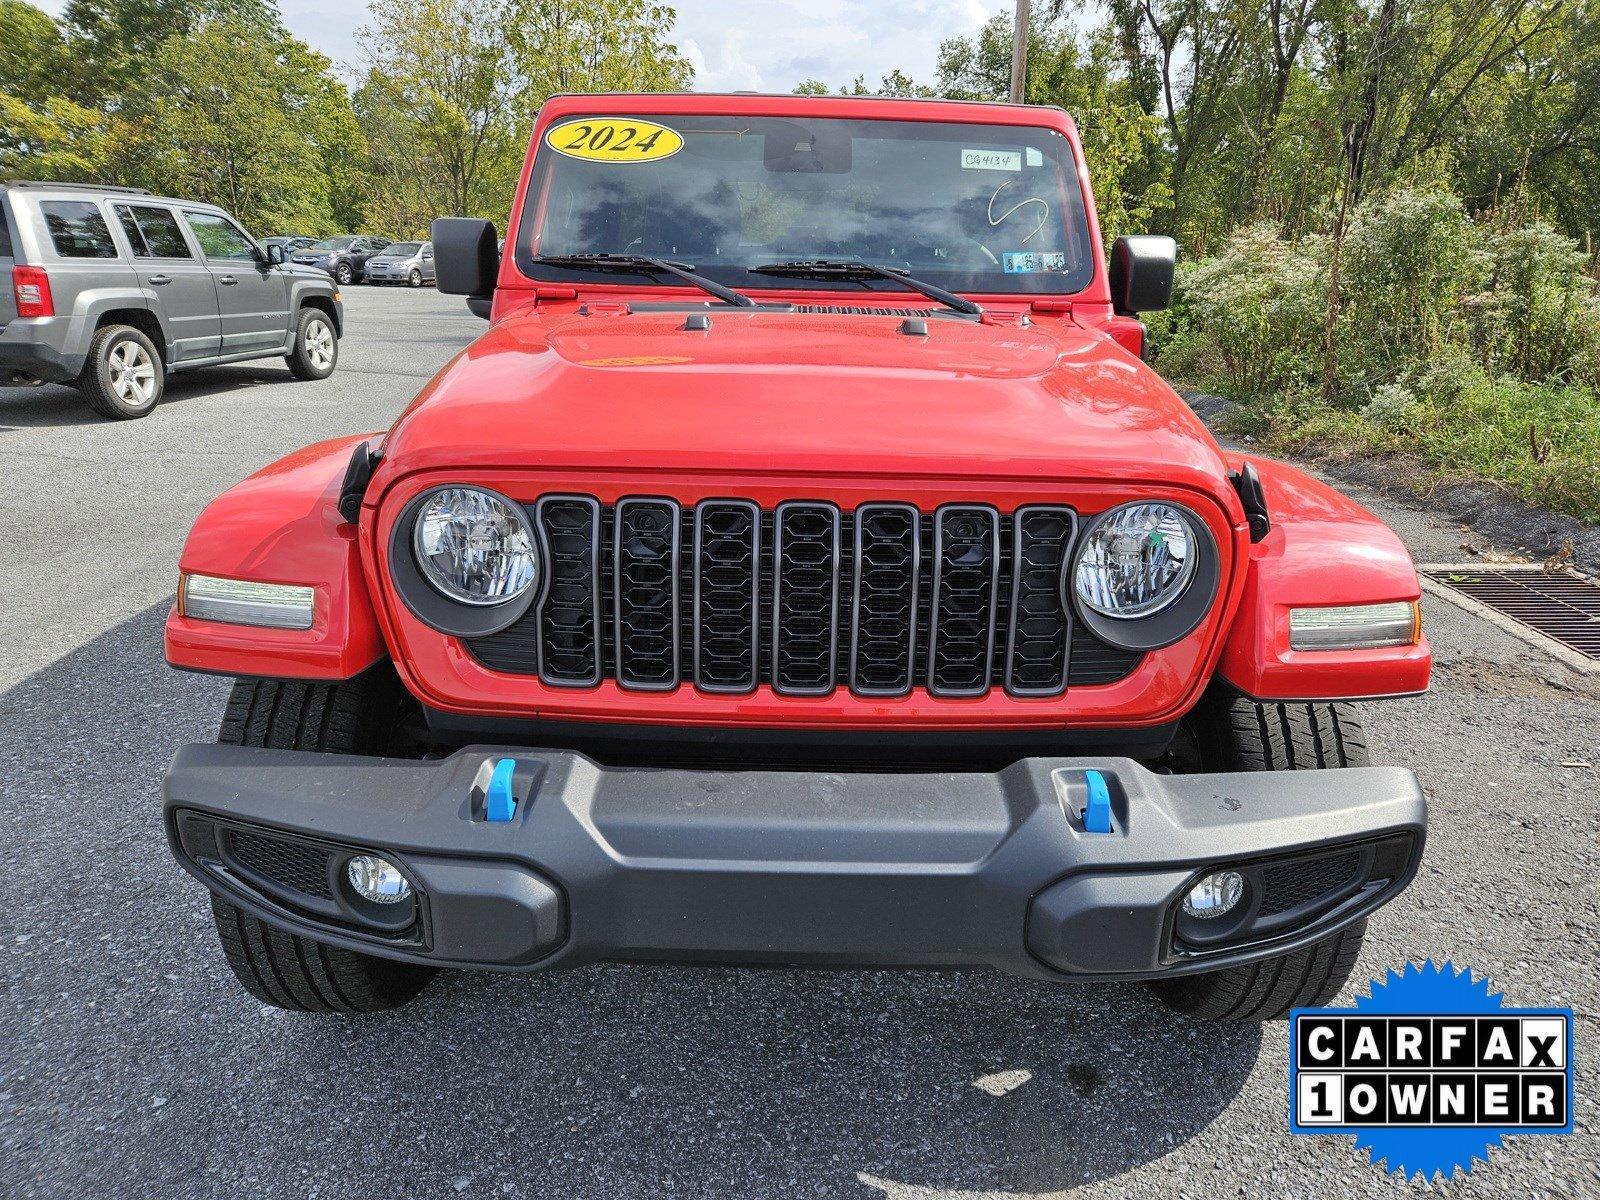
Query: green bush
(1248,319)
(1408,259)
(1471,344)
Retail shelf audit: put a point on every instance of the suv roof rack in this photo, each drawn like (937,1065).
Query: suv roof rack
(75,187)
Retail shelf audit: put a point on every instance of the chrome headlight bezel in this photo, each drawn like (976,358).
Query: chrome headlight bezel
(443,611)
(1179,614)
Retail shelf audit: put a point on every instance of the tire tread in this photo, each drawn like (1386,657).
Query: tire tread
(280,968)
(1239,734)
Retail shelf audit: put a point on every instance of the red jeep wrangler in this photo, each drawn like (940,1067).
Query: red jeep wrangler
(803,568)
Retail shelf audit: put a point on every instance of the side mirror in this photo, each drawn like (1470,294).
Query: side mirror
(275,254)
(1141,273)
(466,259)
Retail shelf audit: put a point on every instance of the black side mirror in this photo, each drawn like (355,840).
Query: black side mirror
(1141,273)
(466,259)
(275,255)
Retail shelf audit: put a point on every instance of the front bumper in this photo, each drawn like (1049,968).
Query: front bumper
(816,868)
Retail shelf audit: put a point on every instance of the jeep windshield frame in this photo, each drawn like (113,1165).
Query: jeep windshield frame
(969,207)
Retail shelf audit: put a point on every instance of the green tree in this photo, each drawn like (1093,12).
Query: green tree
(113,42)
(440,107)
(32,52)
(595,46)
(52,138)
(453,85)
(256,124)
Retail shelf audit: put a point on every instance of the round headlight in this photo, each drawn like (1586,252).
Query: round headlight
(1135,560)
(475,547)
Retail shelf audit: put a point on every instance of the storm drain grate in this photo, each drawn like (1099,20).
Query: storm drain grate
(1562,606)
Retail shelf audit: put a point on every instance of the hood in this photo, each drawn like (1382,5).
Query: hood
(823,394)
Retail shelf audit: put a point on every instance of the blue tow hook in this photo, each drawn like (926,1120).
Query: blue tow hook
(1097,813)
(500,804)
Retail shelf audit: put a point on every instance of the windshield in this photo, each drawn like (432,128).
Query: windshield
(975,208)
(402,249)
(333,243)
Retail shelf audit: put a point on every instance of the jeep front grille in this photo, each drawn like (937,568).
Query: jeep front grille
(806,598)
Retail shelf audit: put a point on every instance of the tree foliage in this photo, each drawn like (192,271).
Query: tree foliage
(255,124)
(453,86)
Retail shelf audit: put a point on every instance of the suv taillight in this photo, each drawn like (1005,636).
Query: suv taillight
(31,286)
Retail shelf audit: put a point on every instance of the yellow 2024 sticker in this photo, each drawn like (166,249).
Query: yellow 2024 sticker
(615,140)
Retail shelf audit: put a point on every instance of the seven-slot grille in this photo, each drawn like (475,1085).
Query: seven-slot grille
(806,597)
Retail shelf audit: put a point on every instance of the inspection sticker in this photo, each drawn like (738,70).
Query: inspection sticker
(990,160)
(1430,1070)
(1032,262)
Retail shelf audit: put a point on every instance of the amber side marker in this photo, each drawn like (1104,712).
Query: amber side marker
(1559,605)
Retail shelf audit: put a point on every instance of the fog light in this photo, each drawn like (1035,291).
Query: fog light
(377,879)
(1214,895)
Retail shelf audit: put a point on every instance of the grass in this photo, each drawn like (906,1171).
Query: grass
(1540,442)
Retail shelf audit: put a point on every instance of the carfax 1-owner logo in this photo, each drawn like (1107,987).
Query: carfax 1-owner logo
(1430,1070)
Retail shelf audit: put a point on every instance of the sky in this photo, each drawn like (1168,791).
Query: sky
(758,45)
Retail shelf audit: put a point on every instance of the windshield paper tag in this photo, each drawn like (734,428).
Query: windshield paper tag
(990,160)
(614,140)
(1033,263)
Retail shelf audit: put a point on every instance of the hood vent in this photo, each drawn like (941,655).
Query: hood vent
(859,310)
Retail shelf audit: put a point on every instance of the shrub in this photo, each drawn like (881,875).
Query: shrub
(1249,316)
(1473,345)
(1409,257)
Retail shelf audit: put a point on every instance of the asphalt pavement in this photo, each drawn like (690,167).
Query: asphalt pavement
(131,1063)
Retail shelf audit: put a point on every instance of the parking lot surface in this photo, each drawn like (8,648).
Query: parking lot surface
(133,1064)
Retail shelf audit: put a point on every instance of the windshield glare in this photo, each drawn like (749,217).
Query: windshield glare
(402,250)
(333,243)
(984,208)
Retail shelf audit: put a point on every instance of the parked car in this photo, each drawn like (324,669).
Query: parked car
(289,244)
(410,263)
(765,587)
(344,257)
(113,289)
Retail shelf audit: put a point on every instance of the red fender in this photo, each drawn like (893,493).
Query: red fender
(282,525)
(1323,549)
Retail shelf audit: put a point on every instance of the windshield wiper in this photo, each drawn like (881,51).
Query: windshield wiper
(851,269)
(642,262)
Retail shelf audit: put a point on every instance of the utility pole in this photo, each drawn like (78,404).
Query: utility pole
(1019,54)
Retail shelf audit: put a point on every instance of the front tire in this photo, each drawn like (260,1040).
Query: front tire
(124,377)
(415,278)
(364,715)
(1235,733)
(316,346)
(343,274)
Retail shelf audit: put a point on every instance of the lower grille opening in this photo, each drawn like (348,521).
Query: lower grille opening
(293,866)
(1289,885)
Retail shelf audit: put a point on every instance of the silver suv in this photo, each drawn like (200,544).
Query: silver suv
(114,288)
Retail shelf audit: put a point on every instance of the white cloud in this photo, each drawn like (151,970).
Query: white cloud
(771,45)
(739,45)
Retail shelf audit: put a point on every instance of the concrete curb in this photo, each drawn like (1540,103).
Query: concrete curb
(1500,517)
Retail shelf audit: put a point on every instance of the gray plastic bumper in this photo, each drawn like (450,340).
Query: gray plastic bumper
(39,348)
(803,867)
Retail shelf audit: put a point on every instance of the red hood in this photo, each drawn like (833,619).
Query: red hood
(818,394)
